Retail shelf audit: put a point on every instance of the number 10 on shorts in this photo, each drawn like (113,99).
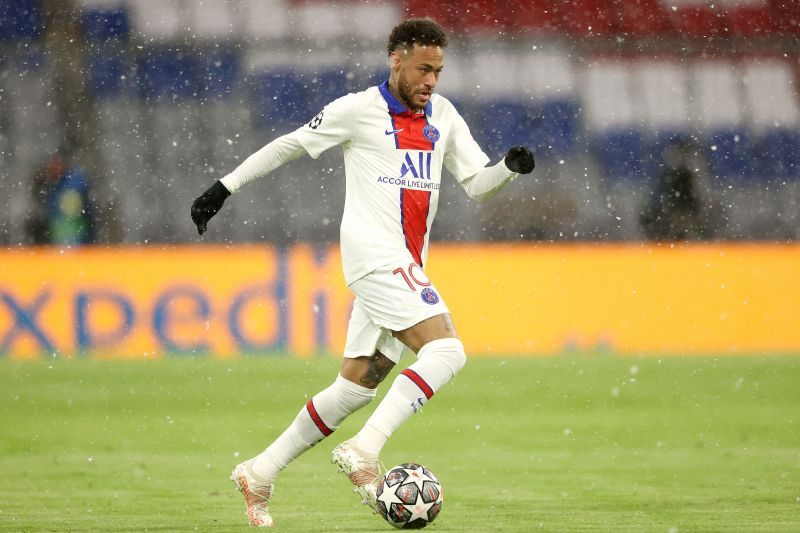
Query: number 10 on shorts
(413,276)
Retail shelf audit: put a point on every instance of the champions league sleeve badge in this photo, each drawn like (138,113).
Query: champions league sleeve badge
(430,132)
(429,296)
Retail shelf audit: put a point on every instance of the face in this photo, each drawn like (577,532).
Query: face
(415,72)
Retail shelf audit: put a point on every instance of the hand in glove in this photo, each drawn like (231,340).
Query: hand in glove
(520,160)
(207,205)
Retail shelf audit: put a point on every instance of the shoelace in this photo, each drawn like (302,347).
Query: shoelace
(369,473)
(258,494)
(363,477)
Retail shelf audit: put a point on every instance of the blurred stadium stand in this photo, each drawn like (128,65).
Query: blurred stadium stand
(183,90)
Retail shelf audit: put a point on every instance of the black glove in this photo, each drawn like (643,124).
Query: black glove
(520,160)
(207,205)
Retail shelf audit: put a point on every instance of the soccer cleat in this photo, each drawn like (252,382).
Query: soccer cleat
(257,491)
(363,470)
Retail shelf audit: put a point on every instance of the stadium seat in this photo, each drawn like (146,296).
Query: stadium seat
(101,25)
(613,120)
(586,18)
(27,86)
(323,85)
(773,114)
(441,11)
(539,17)
(265,19)
(622,154)
(750,20)
(167,74)
(717,110)
(786,14)
(607,94)
(20,19)
(479,16)
(547,77)
(547,74)
(320,21)
(490,73)
(365,68)
(217,70)
(214,20)
(662,96)
(779,151)
(717,98)
(377,76)
(107,74)
(730,155)
(505,124)
(505,118)
(769,93)
(372,21)
(160,20)
(279,98)
(641,18)
(697,20)
(555,128)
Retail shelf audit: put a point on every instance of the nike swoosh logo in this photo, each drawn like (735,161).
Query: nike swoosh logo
(392,132)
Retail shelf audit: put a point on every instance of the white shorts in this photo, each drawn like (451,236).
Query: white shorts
(388,299)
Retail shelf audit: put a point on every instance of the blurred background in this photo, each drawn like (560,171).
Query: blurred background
(650,119)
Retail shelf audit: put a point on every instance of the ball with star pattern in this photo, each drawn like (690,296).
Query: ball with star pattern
(409,496)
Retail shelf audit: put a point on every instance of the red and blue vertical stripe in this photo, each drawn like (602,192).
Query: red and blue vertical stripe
(414,204)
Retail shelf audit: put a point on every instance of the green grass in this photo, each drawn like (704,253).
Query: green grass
(571,443)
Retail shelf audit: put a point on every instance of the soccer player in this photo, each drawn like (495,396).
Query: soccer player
(395,138)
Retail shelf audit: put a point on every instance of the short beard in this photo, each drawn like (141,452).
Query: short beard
(405,94)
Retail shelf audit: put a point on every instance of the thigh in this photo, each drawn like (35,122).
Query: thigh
(431,329)
(365,338)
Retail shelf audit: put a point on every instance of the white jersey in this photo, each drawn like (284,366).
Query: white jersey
(393,165)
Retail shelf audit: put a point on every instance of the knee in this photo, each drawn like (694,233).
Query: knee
(450,351)
(351,395)
(367,371)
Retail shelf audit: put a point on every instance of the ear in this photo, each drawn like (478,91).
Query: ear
(394,60)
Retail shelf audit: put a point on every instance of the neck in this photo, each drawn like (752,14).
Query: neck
(394,88)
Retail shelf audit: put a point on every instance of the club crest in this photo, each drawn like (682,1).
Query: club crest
(430,132)
(429,296)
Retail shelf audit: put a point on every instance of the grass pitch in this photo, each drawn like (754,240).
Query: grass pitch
(570,443)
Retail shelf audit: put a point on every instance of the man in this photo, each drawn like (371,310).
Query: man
(395,138)
(678,208)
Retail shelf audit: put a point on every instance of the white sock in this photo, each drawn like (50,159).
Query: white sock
(319,418)
(437,362)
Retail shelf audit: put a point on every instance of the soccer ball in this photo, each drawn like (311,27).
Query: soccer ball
(409,496)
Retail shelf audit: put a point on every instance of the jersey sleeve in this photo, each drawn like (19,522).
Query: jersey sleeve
(280,151)
(332,126)
(463,157)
